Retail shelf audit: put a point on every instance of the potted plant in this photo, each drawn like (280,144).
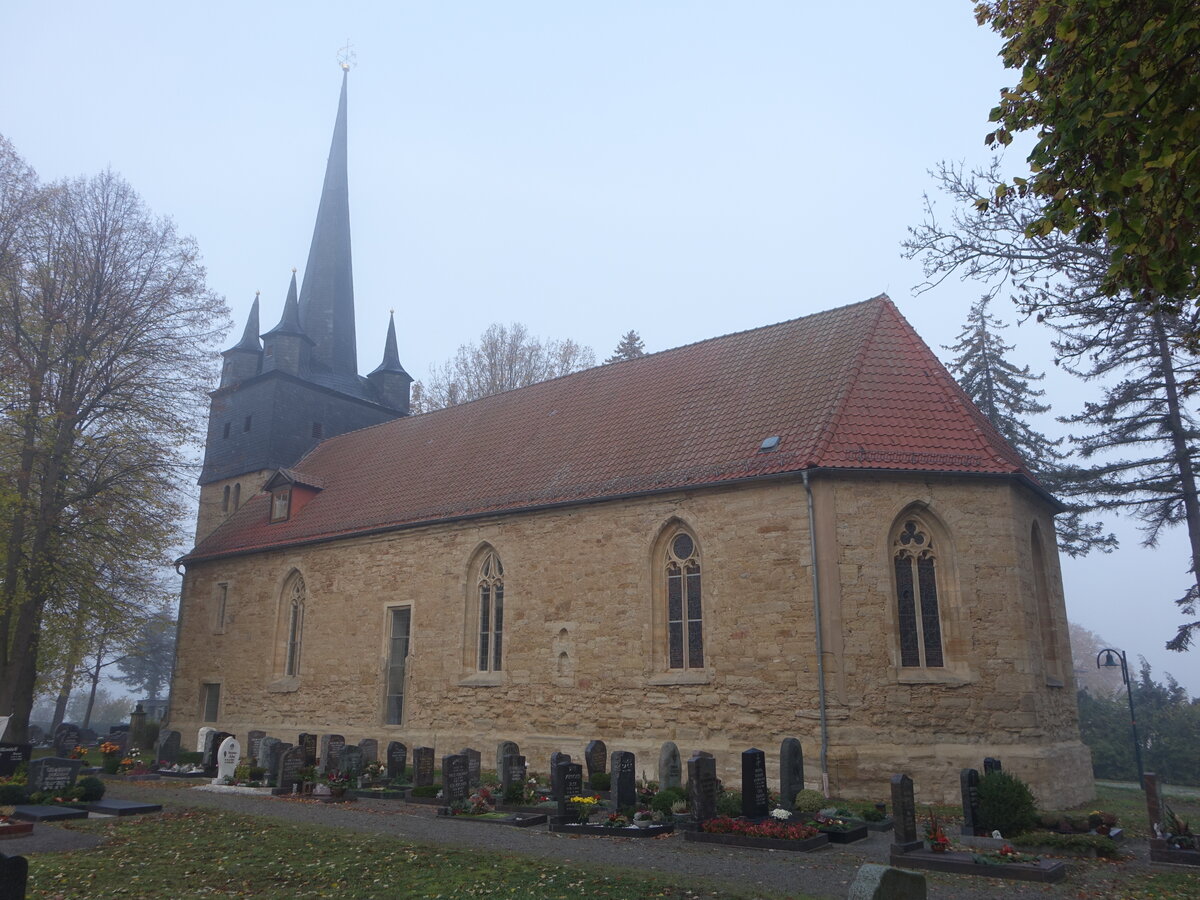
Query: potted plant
(111,754)
(938,842)
(337,782)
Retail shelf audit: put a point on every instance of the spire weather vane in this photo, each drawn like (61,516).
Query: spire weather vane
(347,57)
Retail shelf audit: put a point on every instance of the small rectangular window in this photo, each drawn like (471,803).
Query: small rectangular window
(280,505)
(219,608)
(246,424)
(401,624)
(210,701)
(225,434)
(318,430)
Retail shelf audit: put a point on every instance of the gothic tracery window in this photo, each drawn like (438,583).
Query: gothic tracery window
(915,560)
(490,584)
(295,595)
(685,626)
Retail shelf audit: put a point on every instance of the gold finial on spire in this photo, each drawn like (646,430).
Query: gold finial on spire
(346,56)
(293,270)
(256,293)
(392,311)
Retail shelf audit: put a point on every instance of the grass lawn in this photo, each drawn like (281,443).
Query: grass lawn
(215,853)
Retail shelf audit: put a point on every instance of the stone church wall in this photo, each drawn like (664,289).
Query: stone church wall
(584,636)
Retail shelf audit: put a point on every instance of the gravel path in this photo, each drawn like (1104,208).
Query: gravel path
(825,873)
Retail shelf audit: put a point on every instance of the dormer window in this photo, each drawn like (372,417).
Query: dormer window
(280,505)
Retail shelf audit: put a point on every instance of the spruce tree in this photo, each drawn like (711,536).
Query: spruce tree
(1005,394)
(630,347)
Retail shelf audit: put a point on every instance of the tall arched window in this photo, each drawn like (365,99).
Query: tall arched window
(915,560)
(295,595)
(685,626)
(490,583)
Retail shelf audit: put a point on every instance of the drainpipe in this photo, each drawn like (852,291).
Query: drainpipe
(816,593)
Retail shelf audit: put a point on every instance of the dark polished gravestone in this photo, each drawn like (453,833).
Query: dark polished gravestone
(168,747)
(703,787)
(670,767)
(455,779)
(13,755)
(331,751)
(48,813)
(351,761)
(422,766)
(623,789)
(397,760)
(512,772)
(555,759)
(66,738)
(568,782)
(968,780)
(291,764)
(253,742)
(52,773)
(594,757)
(474,766)
(308,742)
(113,807)
(791,772)
(212,756)
(904,814)
(991,764)
(756,799)
(503,749)
(273,750)
(14,877)
(370,750)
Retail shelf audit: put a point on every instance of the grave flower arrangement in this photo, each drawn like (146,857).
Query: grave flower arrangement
(768,829)
(374,772)
(337,782)
(644,818)
(1006,854)
(584,807)
(938,842)
(81,753)
(110,757)
(131,763)
(835,820)
(1179,832)
(616,820)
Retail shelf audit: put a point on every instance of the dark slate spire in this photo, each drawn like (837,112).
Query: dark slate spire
(244,359)
(391,355)
(289,322)
(249,339)
(390,380)
(327,296)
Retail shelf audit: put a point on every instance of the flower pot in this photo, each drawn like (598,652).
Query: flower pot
(337,791)
(938,847)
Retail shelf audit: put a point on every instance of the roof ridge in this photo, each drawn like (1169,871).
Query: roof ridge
(838,407)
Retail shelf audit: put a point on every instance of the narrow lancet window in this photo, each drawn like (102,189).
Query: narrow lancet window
(685,627)
(491,613)
(919,619)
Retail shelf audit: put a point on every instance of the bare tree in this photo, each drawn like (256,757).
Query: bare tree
(107,332)
(505,358)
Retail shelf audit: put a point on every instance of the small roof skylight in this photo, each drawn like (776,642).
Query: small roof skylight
(769,444)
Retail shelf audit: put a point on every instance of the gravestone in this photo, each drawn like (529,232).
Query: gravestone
(66,738)
(455,779)
(121,739)
(51,773)
(569,781)
(991,764)
(968,780)
(623,789)
(474,766)
(756,800)
(168,747)
(670,767)
(87,737)
(14,877)
(876,882)
(34,735)
(229,754)
(212,757)
(291,763)
(1154,805)
(351,761)
(555,759)
(370,750)
(512,771)
(13,755)
(308,743)
(397,760)
(422,766)
(904,813)
(791,772)
(594,757)
(201,738)
(702,787)
(331,751)
(503,749)
(268,754)
(253,739)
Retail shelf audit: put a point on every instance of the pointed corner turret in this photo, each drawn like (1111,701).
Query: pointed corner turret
(389,378)
(244,359)
(286,347)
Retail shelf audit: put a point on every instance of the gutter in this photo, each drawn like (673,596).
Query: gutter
(816,593)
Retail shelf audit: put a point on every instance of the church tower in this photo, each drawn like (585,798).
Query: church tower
(279,397)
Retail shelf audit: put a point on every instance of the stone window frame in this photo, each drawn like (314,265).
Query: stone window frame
(207,691)
(281,505)
(1047,626)
(389,623)
(220,610)
(661,672)
(290,613)
(956,665)
(472,674)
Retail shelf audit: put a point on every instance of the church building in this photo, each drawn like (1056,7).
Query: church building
(802,530)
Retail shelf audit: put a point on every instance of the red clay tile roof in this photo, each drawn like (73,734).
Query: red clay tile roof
(853,387)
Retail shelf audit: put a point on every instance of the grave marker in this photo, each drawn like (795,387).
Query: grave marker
(991,764)
(268,754)
(291,763)
(422,766)
(51,773)
(14,877)
(1154,805)
(512,771)
(904,813)
(13,755)
(702,787)
(168,747)
(308,743)
(569,781)
(66,738)
(331,751)
(503,749)
(968,780)
(474,766)
(253,739)
(212,757)
(229,754)
(555,759)
(756,800)
(351,761)
(623,790)
(455,779)
(397,760)
(670,767)
(202,737)
(791,772)
(370,750)
(595,757)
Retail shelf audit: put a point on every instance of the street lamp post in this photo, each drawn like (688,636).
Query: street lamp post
(1110,662)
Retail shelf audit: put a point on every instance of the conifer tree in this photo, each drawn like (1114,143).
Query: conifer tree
(630,347)
(1005,394)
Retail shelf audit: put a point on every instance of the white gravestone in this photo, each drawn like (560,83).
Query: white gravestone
(202,738)
(228,757)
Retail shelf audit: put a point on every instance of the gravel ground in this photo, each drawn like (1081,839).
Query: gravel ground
(825,873)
